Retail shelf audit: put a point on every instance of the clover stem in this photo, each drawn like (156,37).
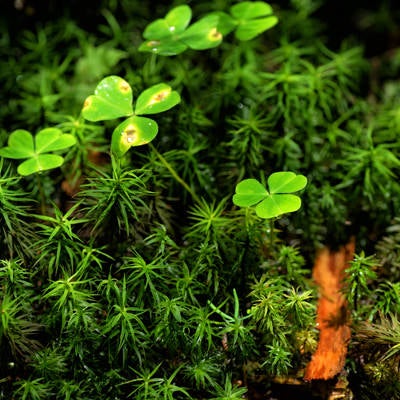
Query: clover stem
(175,174)
(41,194)
(116,165)
(149,69)
(272,236)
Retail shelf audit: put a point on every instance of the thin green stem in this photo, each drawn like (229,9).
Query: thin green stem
(149,69)
(41,194)
(116,165)
(175,174)
(272,236)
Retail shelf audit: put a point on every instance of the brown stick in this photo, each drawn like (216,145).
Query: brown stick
(332,316)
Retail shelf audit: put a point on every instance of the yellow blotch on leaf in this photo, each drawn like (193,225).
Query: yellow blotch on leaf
(87,103)
(124,87)
(129,135)
(160,96)
(153,43)
(214,35)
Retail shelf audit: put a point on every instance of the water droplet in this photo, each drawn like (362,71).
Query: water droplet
(172,28)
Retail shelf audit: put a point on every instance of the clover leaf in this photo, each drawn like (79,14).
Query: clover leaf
(203,34)
(277,200)
(162,34)
(135,131)
(156,99)
(174,23)
(21,144)
(113,99)
(172,35)
(252,18)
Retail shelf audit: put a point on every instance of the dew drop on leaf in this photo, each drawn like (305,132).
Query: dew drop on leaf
(129,134)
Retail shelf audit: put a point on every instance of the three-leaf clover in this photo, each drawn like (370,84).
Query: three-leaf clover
(173,35)
(277,200)
(112,99)
(21,144)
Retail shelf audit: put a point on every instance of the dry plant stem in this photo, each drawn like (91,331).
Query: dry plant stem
(175,174)
(332,321)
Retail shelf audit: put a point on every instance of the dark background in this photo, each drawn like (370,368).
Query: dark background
(375,24)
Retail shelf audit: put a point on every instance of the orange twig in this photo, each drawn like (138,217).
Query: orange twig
(332,315)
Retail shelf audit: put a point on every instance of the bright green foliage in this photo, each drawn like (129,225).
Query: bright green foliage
(387,298)
(387,333)
(21,144)
(60,245)
(17,330)
(277,308)
(252,18)
(236,331)
(49,363)
(135,276)
(34,389)
(275,202)
(203,34)
(113,99)
(134,131)
(15,231)
(359,275)
(68,296)
(278,358)
(228,391)
(116,199)
(156,99)
(202,371)
(173,34)
(124,323)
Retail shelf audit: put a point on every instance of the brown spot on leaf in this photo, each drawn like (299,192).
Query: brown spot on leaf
(214,34)
(153,43)
(124,87)
(160,96)
(129,134)
(87,102)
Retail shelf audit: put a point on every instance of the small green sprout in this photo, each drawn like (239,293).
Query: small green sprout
(21,144)
(275,202)
(173,35)
(113,99)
